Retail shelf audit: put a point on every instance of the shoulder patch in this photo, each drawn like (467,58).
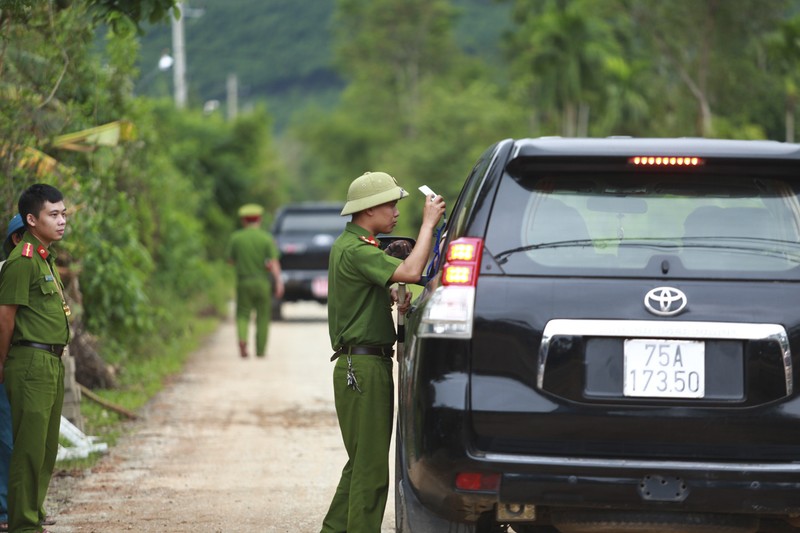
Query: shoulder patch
(27,250)
(369,240)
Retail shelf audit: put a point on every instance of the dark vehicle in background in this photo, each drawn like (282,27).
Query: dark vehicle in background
(304,234)
(609,344)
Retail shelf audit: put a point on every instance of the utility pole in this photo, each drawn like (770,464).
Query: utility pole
(179,54)
(233,96)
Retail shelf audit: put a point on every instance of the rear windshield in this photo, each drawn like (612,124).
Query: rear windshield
(312,222)
(647,224)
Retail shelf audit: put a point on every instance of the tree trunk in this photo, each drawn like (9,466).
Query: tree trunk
(583,119)
(91,370)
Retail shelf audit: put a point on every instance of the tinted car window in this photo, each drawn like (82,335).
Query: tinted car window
(466,200)
(733,226)
(318,221)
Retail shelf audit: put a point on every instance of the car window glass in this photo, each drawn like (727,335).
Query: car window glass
(466,200)
(312,222)
(727,225)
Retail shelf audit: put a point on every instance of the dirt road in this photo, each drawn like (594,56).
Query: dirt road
(231,445)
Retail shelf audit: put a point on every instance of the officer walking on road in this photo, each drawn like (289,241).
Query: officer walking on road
(362,335)
(33,332)
(254,254)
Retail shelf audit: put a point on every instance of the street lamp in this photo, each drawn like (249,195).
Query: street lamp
(165,62)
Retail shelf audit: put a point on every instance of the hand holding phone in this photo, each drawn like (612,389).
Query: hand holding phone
(427,191)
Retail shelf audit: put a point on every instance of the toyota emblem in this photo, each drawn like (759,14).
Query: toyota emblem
(665,301)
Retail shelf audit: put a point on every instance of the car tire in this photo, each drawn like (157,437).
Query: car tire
(633,522)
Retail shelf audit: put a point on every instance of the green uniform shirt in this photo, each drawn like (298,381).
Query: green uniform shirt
(359,302)
(250,249)
(30,283)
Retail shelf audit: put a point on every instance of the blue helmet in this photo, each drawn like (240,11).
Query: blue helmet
(14,225)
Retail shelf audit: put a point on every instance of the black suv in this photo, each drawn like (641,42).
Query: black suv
(304,233)
(609,343)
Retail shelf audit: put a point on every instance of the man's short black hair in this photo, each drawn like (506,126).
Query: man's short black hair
(34,197)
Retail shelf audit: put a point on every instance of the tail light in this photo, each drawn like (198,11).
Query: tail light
(462,262)
(477,482)
(450,311)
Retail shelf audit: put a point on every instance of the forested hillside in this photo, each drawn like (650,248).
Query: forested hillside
(281,50)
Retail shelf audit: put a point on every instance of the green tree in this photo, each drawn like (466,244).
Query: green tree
(558,51)
(148,217)
(646,67)
(783,46)
(229,163)
(703,50)
(393,46)
(414,105)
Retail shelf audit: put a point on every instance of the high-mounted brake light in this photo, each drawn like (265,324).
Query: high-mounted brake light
(462,262)
(666,161)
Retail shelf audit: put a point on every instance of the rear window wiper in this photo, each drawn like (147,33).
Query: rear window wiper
(749,245)
(718,243)
(503,256)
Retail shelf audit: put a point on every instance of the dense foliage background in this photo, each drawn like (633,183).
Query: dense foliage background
(418,88)
(282,50)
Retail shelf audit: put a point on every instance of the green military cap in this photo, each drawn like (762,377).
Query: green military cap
(371,189)
(250,210)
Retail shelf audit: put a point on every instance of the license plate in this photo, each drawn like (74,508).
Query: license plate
(660,368)
(319,287)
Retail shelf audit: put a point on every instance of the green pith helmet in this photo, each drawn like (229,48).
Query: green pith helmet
(250,211)
(371,189)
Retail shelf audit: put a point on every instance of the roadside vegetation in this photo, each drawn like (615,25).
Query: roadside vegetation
(153,197)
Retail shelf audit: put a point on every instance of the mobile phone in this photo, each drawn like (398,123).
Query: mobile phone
(427,191)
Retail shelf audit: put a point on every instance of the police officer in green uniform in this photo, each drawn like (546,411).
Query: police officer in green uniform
(254,253)
(362,335)
(33,332)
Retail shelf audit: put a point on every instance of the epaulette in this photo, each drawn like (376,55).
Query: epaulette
(27,250)
(369,240)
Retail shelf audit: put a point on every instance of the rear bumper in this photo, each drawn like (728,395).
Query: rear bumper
(749,488)
(298,285)
(763,490)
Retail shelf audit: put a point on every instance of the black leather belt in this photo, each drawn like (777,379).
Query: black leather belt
(55,349)
(381,351)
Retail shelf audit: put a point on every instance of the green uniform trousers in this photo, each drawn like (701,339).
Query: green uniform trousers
(34,381)
(365,419)
(254,294)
